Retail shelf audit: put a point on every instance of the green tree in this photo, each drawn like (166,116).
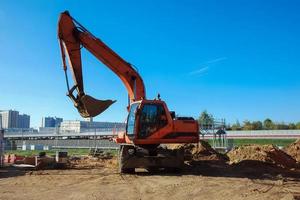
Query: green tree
(247,125)
(268,124)
(206,119)
(298,125)
(292,126)
(257,125)
(281,126)
(236,126)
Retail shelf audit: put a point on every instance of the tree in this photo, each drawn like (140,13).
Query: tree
(268,124)
(236,126)
(292,126)
(257,125)
(298,125)
(206,119)
(247,125)
(281,126)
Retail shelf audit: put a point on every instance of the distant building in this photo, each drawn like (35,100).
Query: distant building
(51,122)
(0,122)
(48,129)
(24,121)
(11,119)
(89,119)
(77,126)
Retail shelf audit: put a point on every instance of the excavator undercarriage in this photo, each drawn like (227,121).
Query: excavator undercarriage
(132,157)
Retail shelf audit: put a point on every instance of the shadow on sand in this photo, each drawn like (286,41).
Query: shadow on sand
(9,171)
(246,169)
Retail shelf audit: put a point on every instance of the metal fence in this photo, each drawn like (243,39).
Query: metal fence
(68,143)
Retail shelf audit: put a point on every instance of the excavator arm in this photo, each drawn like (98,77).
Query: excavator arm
(72,37)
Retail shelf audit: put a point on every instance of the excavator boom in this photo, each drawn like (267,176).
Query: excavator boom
(72,36)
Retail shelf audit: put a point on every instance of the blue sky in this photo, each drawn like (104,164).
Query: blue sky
(236,59)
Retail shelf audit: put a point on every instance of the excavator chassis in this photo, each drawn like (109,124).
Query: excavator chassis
(132,157)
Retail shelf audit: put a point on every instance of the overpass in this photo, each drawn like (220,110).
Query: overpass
(110,132)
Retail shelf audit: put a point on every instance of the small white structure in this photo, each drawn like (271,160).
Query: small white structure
(37,147)
(47,148)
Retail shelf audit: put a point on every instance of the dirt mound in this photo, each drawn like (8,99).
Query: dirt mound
(202,151)
(294,150)
(264,153)
(90,162)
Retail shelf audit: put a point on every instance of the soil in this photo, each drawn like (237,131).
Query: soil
(294,150)
(264,153)
(90,162)
(201,151)
(207,175)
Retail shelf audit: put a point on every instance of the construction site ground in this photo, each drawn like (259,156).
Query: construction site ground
(209,176)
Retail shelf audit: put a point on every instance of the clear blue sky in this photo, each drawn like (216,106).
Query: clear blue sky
(237,59)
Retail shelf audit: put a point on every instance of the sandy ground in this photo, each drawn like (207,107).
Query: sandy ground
(199,180)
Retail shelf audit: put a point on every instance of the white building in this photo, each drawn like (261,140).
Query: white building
(77,126)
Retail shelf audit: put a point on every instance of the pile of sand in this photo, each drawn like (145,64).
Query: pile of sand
(202,151)
(264,153)
(294,150)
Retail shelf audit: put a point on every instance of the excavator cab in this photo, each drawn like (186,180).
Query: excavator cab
(150,122)
(145,119)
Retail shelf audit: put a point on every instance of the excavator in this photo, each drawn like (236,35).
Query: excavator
(149,124)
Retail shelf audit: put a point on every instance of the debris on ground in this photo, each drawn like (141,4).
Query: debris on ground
(89,162)
(200,151)
(263,153)
(294,150)
(100,154)
(42,161)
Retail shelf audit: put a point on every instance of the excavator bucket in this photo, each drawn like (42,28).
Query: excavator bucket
(88,106)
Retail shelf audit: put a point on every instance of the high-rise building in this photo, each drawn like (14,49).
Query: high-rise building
(9,119)
(24,121)
(0,122)
(12,119)
(51,122)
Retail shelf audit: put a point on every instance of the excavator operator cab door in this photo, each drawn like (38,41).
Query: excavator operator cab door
(146,118)
(130,128)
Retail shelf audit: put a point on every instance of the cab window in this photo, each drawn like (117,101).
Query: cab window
(152,118)
(131,119)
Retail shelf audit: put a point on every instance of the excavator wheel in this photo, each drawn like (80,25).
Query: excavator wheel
(124,157)
(180,158)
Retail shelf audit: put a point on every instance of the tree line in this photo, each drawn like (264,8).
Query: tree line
(268,124)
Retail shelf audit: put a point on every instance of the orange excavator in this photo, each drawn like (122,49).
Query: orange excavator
(149,122)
